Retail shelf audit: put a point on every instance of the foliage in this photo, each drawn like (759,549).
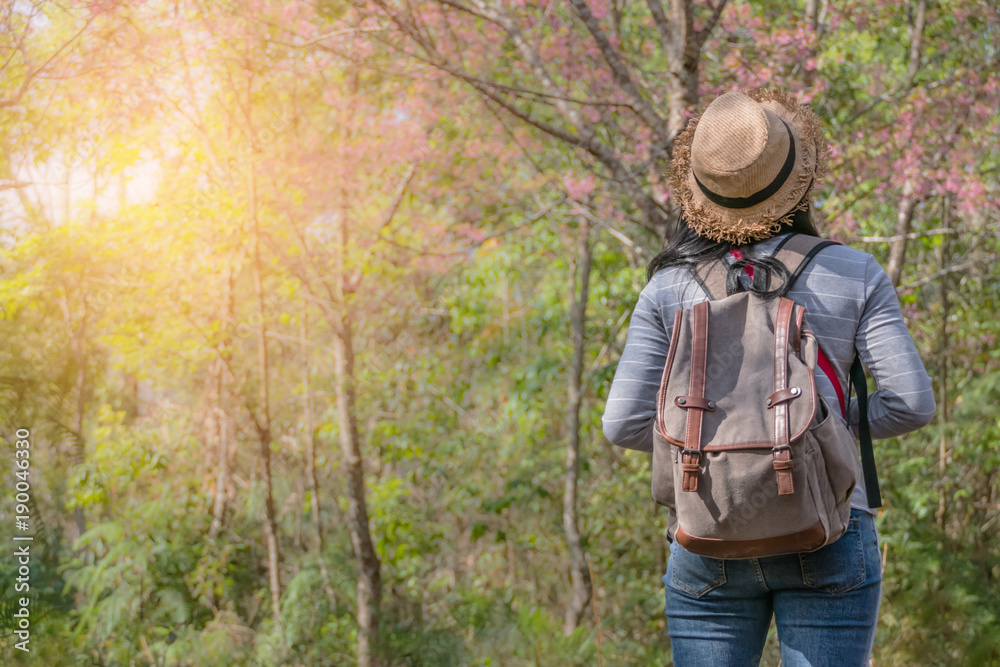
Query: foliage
(147,147)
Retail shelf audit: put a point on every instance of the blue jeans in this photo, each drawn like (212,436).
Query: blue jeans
(825,603)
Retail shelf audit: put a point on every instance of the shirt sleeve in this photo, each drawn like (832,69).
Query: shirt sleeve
(630,411)
(904,398)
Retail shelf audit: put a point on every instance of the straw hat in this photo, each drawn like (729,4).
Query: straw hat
(745,165)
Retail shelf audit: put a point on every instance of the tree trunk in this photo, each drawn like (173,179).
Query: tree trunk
(369,567)
(685,54)
(916,41)
(682,45)
(578,319)
(80,445)
(945,262)
(310,434)
(78,338)
(812,30)
(312,479)
(223,429)
(904,220)
(369,589)
(908,202)
(221,437)
(264,413)
(812,15)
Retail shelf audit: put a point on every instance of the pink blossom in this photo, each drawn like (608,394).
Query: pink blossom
(599,9)
(578,188)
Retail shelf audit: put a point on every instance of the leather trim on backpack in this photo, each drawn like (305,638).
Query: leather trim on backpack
(760,444)
(782,453)
(695,413)
(804,540)
(783,395)
(660,398)
(694,402)
(782,326)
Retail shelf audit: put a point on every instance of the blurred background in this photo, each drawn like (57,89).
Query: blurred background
(309,310)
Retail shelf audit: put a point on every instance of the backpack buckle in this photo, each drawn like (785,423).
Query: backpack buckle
(690,460)
(782,455)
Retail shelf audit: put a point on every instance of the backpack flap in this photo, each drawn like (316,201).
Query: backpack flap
(717,382)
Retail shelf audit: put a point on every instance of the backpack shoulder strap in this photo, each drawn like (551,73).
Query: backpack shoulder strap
(795,252)
(711,276)
(798,251)
(867,450)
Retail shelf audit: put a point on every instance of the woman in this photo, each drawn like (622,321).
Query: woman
(741,173)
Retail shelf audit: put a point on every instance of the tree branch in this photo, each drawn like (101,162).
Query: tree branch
(701,36)
(962,266)
(913,235)
(621,73)
(388,215)
(585,134)
(662,23)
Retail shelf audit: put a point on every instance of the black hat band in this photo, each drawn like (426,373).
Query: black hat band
(761,195)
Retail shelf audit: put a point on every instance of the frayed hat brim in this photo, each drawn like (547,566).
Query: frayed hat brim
(740,226)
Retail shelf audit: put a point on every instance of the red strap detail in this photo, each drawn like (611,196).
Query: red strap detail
(824,363)
(748,269)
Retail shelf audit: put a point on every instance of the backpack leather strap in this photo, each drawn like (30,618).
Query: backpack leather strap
(782,452)
(691,454)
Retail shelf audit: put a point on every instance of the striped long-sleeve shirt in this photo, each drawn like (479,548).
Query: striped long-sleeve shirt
(850,305)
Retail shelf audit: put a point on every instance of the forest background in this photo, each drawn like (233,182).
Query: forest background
(309,310)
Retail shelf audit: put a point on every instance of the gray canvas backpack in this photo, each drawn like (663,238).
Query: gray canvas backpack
(747,455)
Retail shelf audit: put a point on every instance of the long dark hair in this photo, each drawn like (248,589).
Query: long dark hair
(686,248)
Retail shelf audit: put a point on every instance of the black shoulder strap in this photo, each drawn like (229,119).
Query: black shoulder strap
(796,253)
(867,450)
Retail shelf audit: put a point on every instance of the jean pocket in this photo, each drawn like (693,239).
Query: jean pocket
(693,574)
(838,567)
